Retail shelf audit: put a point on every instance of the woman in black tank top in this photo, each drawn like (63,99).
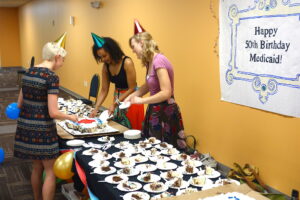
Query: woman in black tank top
(120,79)
(118,69)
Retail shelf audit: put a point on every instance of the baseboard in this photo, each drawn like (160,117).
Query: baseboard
(6,129)
(8,89)
(10,68)
(225,169)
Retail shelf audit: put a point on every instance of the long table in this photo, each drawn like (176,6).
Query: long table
(107,191)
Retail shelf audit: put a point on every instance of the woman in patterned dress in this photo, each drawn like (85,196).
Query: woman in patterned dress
(163,119)
(36,136)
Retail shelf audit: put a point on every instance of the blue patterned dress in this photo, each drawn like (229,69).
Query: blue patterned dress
(36,135)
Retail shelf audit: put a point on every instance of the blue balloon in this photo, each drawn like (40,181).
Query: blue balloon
(12,111)
(1,155)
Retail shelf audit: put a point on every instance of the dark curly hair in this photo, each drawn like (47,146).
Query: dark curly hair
(111,47)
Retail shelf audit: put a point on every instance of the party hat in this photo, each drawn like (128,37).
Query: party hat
(98,41)
(61,41)
(137,27)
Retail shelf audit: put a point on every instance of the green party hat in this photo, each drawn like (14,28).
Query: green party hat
(98,41)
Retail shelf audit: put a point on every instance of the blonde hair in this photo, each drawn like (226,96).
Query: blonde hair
(51,49)
(149,46)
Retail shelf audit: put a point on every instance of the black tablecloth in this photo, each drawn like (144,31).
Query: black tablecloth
(107,191)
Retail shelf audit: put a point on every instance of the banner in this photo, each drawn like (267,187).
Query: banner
(260,54)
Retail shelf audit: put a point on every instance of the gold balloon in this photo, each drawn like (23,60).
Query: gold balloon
(63,165)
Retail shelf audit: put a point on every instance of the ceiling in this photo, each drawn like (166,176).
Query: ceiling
(12,3)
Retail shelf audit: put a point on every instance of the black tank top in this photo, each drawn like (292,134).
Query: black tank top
(120,80)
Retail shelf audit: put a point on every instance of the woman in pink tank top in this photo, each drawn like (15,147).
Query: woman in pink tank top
(163,118)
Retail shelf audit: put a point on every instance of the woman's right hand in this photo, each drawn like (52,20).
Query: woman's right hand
(93,113)
(74,118)
(128,99)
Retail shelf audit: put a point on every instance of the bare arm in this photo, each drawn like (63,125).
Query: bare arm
(164,93)
(54,111)
(140,92)
(20,99)
(103,92)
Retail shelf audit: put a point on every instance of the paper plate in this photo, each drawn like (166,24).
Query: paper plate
(183,170)
(123,145)
(152,140)
(102,156)
(186,191)
(135,149)
(180,157)
(121,154)
(99,170)
(116,178)
(129,171)
(75,143)
(163,187)
(120,165)
(140,159)
(166,165)
(153,178)
(174,175)
(132,134)
(159,158)
(170,152)
(205,181)
(151,152)
(124,105)
(195,163)
(106,139)
(142,195)
(104,116)
(184,184)
(98,163)
(226,181)
(163,145)
(144,145)
(161,195)
(90,152)
(214,174)
(130,186)
(146,167)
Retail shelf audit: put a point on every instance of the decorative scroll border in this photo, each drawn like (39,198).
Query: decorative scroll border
(263,84)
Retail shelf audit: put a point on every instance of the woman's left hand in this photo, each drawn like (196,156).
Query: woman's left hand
(111,109)
(136,100)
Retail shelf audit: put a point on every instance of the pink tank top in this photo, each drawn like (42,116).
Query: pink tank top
(159,61)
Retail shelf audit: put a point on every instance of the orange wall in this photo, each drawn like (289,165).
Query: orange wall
(187,33)
(9,37)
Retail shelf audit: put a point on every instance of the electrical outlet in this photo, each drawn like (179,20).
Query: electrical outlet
(85,83)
